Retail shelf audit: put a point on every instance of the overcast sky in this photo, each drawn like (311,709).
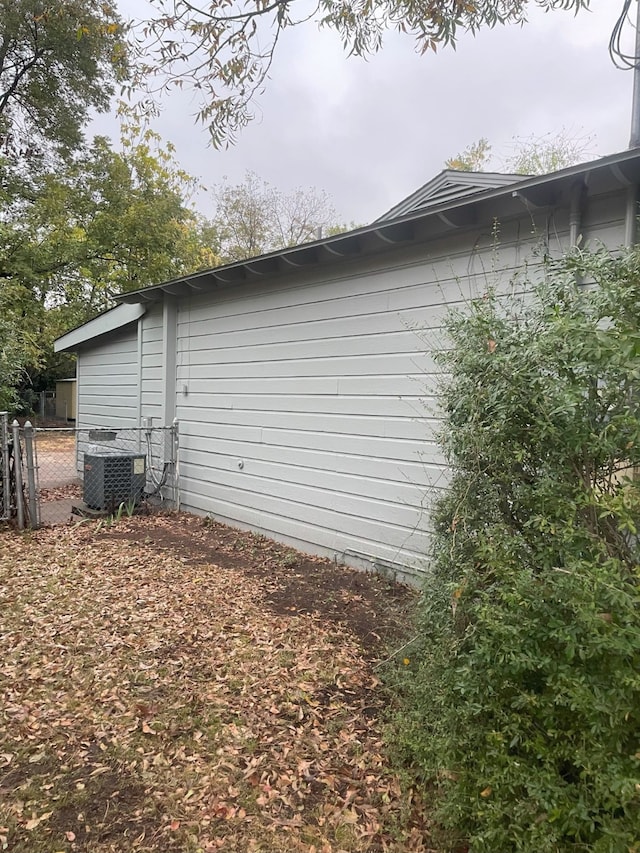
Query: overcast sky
(370,132)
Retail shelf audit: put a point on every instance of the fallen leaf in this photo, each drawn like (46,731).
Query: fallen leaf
(34,821)
(202,699)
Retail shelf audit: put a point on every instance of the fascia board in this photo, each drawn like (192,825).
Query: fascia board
(116,318)
(505,190)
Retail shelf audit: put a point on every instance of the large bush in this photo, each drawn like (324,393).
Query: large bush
(521,699)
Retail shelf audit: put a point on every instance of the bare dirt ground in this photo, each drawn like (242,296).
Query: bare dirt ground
(56,459)
(171,685)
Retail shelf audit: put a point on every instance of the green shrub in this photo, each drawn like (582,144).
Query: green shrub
(521,701)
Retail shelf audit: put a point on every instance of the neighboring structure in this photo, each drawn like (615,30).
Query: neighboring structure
(66,399)
(304,381)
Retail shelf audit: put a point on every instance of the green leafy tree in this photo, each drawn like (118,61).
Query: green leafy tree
(522,695)
(104,223)
(474,158)
(59,60)
(78,223)
(12,356)
(254,217)
(224,51)
(108,222)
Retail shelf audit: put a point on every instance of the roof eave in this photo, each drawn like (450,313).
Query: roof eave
(112,320)
(538,190)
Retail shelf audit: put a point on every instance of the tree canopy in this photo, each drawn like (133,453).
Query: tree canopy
(102,223)
(532,155)
(224,50)
(59,60)
(254,217)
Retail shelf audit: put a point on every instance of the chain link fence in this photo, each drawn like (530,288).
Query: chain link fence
(49,474)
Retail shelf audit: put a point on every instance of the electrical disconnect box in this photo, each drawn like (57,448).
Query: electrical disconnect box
(111,479)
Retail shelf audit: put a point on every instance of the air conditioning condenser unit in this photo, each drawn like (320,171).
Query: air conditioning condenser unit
(111,479)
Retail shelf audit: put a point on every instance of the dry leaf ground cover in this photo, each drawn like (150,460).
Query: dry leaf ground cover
(171,685)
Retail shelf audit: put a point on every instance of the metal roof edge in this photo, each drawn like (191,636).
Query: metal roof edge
(611,161)
(110,321)
(337,244)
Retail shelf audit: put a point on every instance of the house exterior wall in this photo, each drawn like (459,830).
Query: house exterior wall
(308,408)
(603,221)
(108,381)
(151,387)
(307,402)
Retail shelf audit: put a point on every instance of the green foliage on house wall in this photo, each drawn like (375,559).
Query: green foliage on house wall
(521,699)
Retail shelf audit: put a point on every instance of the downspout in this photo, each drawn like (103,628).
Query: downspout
(576,207)
(169,343)
(631,205)
(169,347)
(631,216)
(634,141)
(139,379)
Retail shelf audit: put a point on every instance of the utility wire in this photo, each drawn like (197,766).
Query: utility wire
(623,61)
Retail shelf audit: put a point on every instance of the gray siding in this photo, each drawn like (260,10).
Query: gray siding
(604,221)
(308,402)
(108,382)
(108,389)
(307,410)
(151,368)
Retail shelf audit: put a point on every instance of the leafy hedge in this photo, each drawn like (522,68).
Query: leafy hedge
(521,700)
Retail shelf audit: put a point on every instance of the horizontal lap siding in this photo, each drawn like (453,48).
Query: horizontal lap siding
(308,410)
(308,406)
(108,382)
(108,392)
(151,368)
(604,223)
